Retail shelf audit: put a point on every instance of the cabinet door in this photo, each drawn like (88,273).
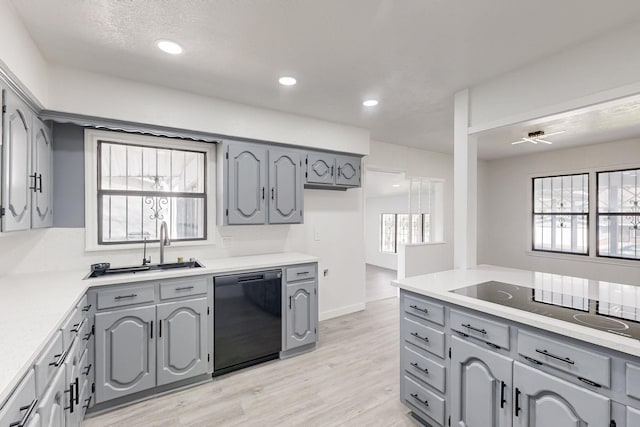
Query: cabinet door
(56,402)
(542,400)
(42,197)
(480,384)
(182,340)
(285,192)
(301,316)
(348,171)
(125,352)
(321,168)
(247,180)
(17,184)
(633,417)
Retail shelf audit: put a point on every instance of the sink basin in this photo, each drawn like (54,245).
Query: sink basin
(98,270)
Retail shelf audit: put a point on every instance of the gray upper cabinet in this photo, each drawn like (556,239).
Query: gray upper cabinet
(348,171)
(320,168)
(285,182)
(42,195)
(125,352)
(542,400)
(17,183)
(182,340)
(480,386)
(301,316)
(247,182)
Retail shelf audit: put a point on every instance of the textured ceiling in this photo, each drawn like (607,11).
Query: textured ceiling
(411,54)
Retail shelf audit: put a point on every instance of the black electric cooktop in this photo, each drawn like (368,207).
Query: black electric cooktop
(622,318)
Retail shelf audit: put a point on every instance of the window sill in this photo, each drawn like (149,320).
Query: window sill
(585,258)
(139,246)
(442,242)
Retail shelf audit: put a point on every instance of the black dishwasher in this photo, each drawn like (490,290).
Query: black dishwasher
(247,319)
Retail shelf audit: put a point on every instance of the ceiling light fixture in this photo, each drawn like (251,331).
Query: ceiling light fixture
(370,103)
(287,81)
(395,185)
(535,137)
(170,47)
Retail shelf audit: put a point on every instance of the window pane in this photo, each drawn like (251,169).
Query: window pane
(619,236)
(388,233)
(562,233)
(416,228)
(568,193)
(619,191)
(426,227)
(403,229)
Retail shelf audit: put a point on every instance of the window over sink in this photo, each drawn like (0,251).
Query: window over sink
(139,181)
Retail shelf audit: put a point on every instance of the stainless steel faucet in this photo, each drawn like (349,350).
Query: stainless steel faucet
(164,240)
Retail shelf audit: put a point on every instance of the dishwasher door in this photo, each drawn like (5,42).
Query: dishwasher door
(247,319)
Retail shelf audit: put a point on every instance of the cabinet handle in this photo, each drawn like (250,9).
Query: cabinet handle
(34,187)
(40,181)
(88,402)
(60,359)
(591,383)
(77,391)
(71,399)
(78,326)
(184,288)
(29,410)
(87,369)
(289,302)
(301,273)
(553,356)
(160,329)
(468,326)
(331,170)
(415,365)
(262,193)
(424,402)
(517,401)
(415,307)
(415,334)
(119,297)
(272,193)
(151,329)
(502,399)
(86,307)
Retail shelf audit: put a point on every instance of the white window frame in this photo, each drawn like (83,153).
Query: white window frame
(91,138)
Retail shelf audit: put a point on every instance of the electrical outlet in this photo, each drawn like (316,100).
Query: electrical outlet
(316,235)
(326,272)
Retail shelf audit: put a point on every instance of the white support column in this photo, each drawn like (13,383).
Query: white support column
(465,202)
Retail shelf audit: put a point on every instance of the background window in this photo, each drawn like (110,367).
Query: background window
(560,213)
(619,214)
(395,230)
(141,186)
(388,234)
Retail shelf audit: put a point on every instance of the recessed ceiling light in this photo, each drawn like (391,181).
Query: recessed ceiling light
(169,47)
(370,103)
(287,81)
(395,185)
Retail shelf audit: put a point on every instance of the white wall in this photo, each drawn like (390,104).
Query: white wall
(506,212)
(374,207)
(422,258)
(83,92)
(19,55)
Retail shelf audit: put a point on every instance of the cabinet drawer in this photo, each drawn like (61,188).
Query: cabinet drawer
(480,328)
(423,368)
(71,327)
(425,403)
(633,380)
(122,297)
(183,288)
(301,272)
(48,362)
(84,306)
(423,309)
(24,396)
(424,337)
(568,358)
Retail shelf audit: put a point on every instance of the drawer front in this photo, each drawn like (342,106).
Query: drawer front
(423,309)
(48,363)
(122,297)
(568,358)
(423,368)
(86,367)
(85,398)
(301,272)
(71,327)
(633,380)
(183,288)
(24,396)
(425,403)
(424,337)
(480,328)
(84,306)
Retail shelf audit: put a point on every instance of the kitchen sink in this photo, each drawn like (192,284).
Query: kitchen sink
(105,269)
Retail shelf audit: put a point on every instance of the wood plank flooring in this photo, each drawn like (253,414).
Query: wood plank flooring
(351,379)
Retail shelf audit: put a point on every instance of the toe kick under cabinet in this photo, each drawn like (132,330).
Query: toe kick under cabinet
(463,368)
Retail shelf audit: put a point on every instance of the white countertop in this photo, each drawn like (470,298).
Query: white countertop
(33,306)
(438,286)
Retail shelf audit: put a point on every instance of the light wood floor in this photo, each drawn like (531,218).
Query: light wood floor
(351,379)
(378,283)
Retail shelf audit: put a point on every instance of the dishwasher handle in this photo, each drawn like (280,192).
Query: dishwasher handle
(237,279)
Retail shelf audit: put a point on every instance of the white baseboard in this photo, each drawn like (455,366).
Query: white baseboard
(330,314)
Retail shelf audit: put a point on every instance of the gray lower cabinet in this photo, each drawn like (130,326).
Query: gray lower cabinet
(301,316)
(246,184)
(285,187)
(182,340)
(21,404)
(543,400)
(56,403)
(125,352)
(320,168)
(348,171)
(480,386)
(633,417)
